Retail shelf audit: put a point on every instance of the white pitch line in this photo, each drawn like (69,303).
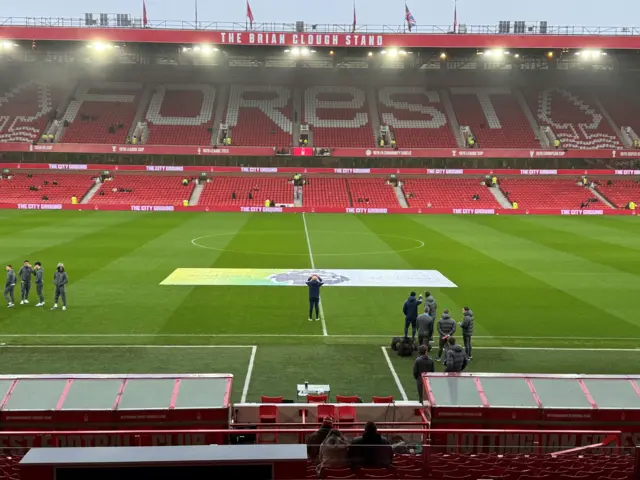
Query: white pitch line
(274,335)
(563,349)
(395,375)
(247,380)
(313,266)
(4,345)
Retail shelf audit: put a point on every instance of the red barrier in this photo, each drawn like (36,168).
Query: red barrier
(352,210)
(323,171)
(194,150)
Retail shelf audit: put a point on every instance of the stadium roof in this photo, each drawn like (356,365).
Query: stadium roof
(533,34)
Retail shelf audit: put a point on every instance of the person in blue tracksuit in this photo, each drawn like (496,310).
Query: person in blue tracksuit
(314,283)
(410,310)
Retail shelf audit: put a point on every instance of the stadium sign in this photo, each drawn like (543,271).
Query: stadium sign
(301,39)
(39,206)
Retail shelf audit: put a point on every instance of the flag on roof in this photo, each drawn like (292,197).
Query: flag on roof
(408,16)
(249,14)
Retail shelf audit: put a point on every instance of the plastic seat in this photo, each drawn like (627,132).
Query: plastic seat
(317,398)
(265,399)
(347,399)
(388,399)
(346,414)
(268,414)
(326,411)
(337,473)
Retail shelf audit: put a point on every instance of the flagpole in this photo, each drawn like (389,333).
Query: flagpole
(196,8)
(404,27)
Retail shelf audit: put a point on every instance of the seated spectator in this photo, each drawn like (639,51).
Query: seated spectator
(370,450)
(317,437)
(45,198)
(112,129)
(334,452)
(233,195)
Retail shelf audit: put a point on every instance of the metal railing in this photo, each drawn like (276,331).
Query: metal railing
(532,28)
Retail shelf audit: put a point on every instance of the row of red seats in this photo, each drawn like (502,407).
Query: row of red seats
(339,115)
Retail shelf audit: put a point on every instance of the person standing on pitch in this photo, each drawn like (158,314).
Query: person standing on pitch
(466,325)
(446,328)
(410,310)
(425,328)
(423,364)
(314,282)
(431,303)
(60,280)
(25,273)
(39,274)
(456,360)
(10,285)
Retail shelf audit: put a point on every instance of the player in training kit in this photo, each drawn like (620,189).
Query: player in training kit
(38,271)
(25,273)
(10,285)
(60,280)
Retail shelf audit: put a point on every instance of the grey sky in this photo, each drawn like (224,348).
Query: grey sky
(372,12)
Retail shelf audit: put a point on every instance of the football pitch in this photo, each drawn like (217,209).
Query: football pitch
(550,295)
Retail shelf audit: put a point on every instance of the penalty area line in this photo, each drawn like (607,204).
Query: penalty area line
(4,345)
(313,266)
(403,394)
(247,380)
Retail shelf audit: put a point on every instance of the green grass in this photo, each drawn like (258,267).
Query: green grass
(541,285)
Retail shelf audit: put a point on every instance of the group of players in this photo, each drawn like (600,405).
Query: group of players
(25,275)
(424,324)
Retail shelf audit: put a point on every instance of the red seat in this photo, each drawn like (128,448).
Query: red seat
(347,398)
(337,473)
(388,399)
(376,475)
(268,413)
(346,414)
(265,399)
(317,398)
(326,411)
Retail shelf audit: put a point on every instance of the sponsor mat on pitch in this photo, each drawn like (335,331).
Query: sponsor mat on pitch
(297,278)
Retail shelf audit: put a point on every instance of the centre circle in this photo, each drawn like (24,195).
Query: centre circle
(202,243)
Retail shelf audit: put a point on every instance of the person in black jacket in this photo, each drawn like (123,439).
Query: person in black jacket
(370,450)
(423,364)
(410,310)
(314,283)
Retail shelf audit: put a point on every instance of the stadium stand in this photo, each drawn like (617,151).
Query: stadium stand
(97,107)
(56,188)
(181,115)
(25,110)
(260,115)
(448,193)
(623,106)
(416,117)
(378,193)
(620,192)
(494,116)
(219,191)
(548,193)
(339,116)
(326,192)
(145,190)
(574,118)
